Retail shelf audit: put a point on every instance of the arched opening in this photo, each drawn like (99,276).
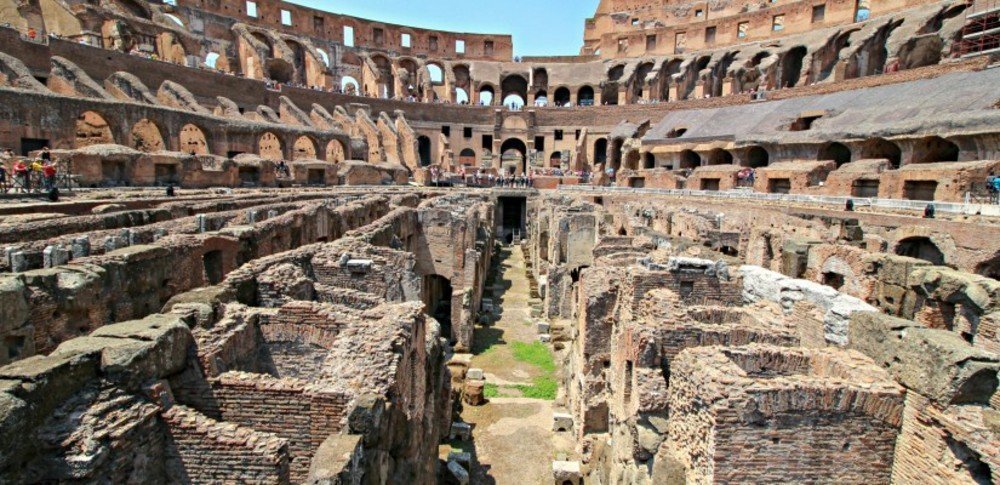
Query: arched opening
(486,94)
(513,101)
(540,78)
(882,148)
(718,156)
(437,292)
(757,157)
(146,137)
(467,157)
(838,152)
(461,96)
(269,147)
(386,82)
(280,70)
(541,98)
(92,129)
(298,62)
(555,160)
(615,156)
(609,93)
(990,268)
(667,72)
(349,85)
(585,96)
(601,151)
(192,140)
(435,73)
(689,159)
(934,149)
(921,248)
(513,152)
(514,85)
(324,57)
(304,148)
(211,59)
(639,80)
(424,150)
(335,151)
(649,160)
(632,160)
(562,97)
(791,66)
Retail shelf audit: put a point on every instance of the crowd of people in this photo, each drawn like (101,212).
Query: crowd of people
(24,175)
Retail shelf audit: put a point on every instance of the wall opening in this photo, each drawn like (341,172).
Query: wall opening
(437,300)
(921,248)
(212,262)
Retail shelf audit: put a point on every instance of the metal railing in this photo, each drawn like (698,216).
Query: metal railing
(833,200)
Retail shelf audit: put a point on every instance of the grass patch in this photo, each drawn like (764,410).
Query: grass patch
(535,353)
(544,387)
(491,391)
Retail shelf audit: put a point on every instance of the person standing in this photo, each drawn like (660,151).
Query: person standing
(21,174)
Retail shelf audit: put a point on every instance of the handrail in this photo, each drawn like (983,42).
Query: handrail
(841,201)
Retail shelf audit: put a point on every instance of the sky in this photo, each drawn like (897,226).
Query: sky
(539,27)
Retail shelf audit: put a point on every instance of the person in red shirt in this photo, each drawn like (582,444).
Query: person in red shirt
(32,33)
(49,174)
(21,173)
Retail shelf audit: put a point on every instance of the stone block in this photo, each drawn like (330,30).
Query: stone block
(474,393)
(461,475)
(562,422)
(938,364)
(564,472)
(336,460)
(543,327)
(463,458)
(545,338)
(20,262)
(53,256)
(460,431)
(475,374)
(80,247)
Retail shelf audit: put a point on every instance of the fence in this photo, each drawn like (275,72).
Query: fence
(839,201)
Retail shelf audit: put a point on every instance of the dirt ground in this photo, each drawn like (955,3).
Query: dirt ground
(513,442)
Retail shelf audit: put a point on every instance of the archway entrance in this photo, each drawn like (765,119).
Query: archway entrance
(424,150)
(921,248)
(513,153)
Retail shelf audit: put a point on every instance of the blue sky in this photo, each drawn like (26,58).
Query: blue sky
(539,27)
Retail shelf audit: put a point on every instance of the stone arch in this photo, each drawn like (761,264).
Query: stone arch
(838,152)
(304,148)
(882,148)
(487,95)
(335,151)
(513,154)
(349,85)
(649,160)
(435,73)
(609,93)
(192,140)
(689,159)
(791,66)
(514,84)
(667,71)
(92,129)
(461,96)
(989,268)
(269,147)
(561,96)
(146,136)
(541,98)
(933,149)
(467,157)
(386,82)
(298,61)
(920,247)
(600,151)
(540,78)
(639,79)
(718,156)
(757,157)
(555,159)
(585,96)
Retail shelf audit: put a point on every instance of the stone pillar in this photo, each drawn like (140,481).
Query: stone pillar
(251,216)
(19,262)
(675,92)
(728,86)
(699,90)
(80,247)
(53,256)
(271,214)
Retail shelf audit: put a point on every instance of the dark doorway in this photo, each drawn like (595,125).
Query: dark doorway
(437,300)
(919,189)
(213,267)
(29,145)
(424,150)
(921,248)
(512,212)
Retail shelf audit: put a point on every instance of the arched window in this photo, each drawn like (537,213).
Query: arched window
(486,95)
(461,97)
(211,58)
(838,152)
(324,56)
(437,75)
(514,100)
(349,85)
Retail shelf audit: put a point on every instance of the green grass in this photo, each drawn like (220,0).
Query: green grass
(544,387)
(535,353)
(491,391)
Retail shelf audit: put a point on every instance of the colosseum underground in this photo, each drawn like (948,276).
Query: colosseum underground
(730,241)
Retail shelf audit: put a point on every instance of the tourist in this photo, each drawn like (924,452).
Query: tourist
(32,33)
(929,211)
(3,178)
(48,175)
(21,174)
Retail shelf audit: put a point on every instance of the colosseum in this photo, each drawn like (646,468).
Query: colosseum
(735,242)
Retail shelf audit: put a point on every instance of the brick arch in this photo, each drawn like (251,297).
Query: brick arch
(192,139)
(92,128)
(146,136)
(304,148)
(269,146)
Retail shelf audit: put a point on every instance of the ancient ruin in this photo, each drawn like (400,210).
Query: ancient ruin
(730,242)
